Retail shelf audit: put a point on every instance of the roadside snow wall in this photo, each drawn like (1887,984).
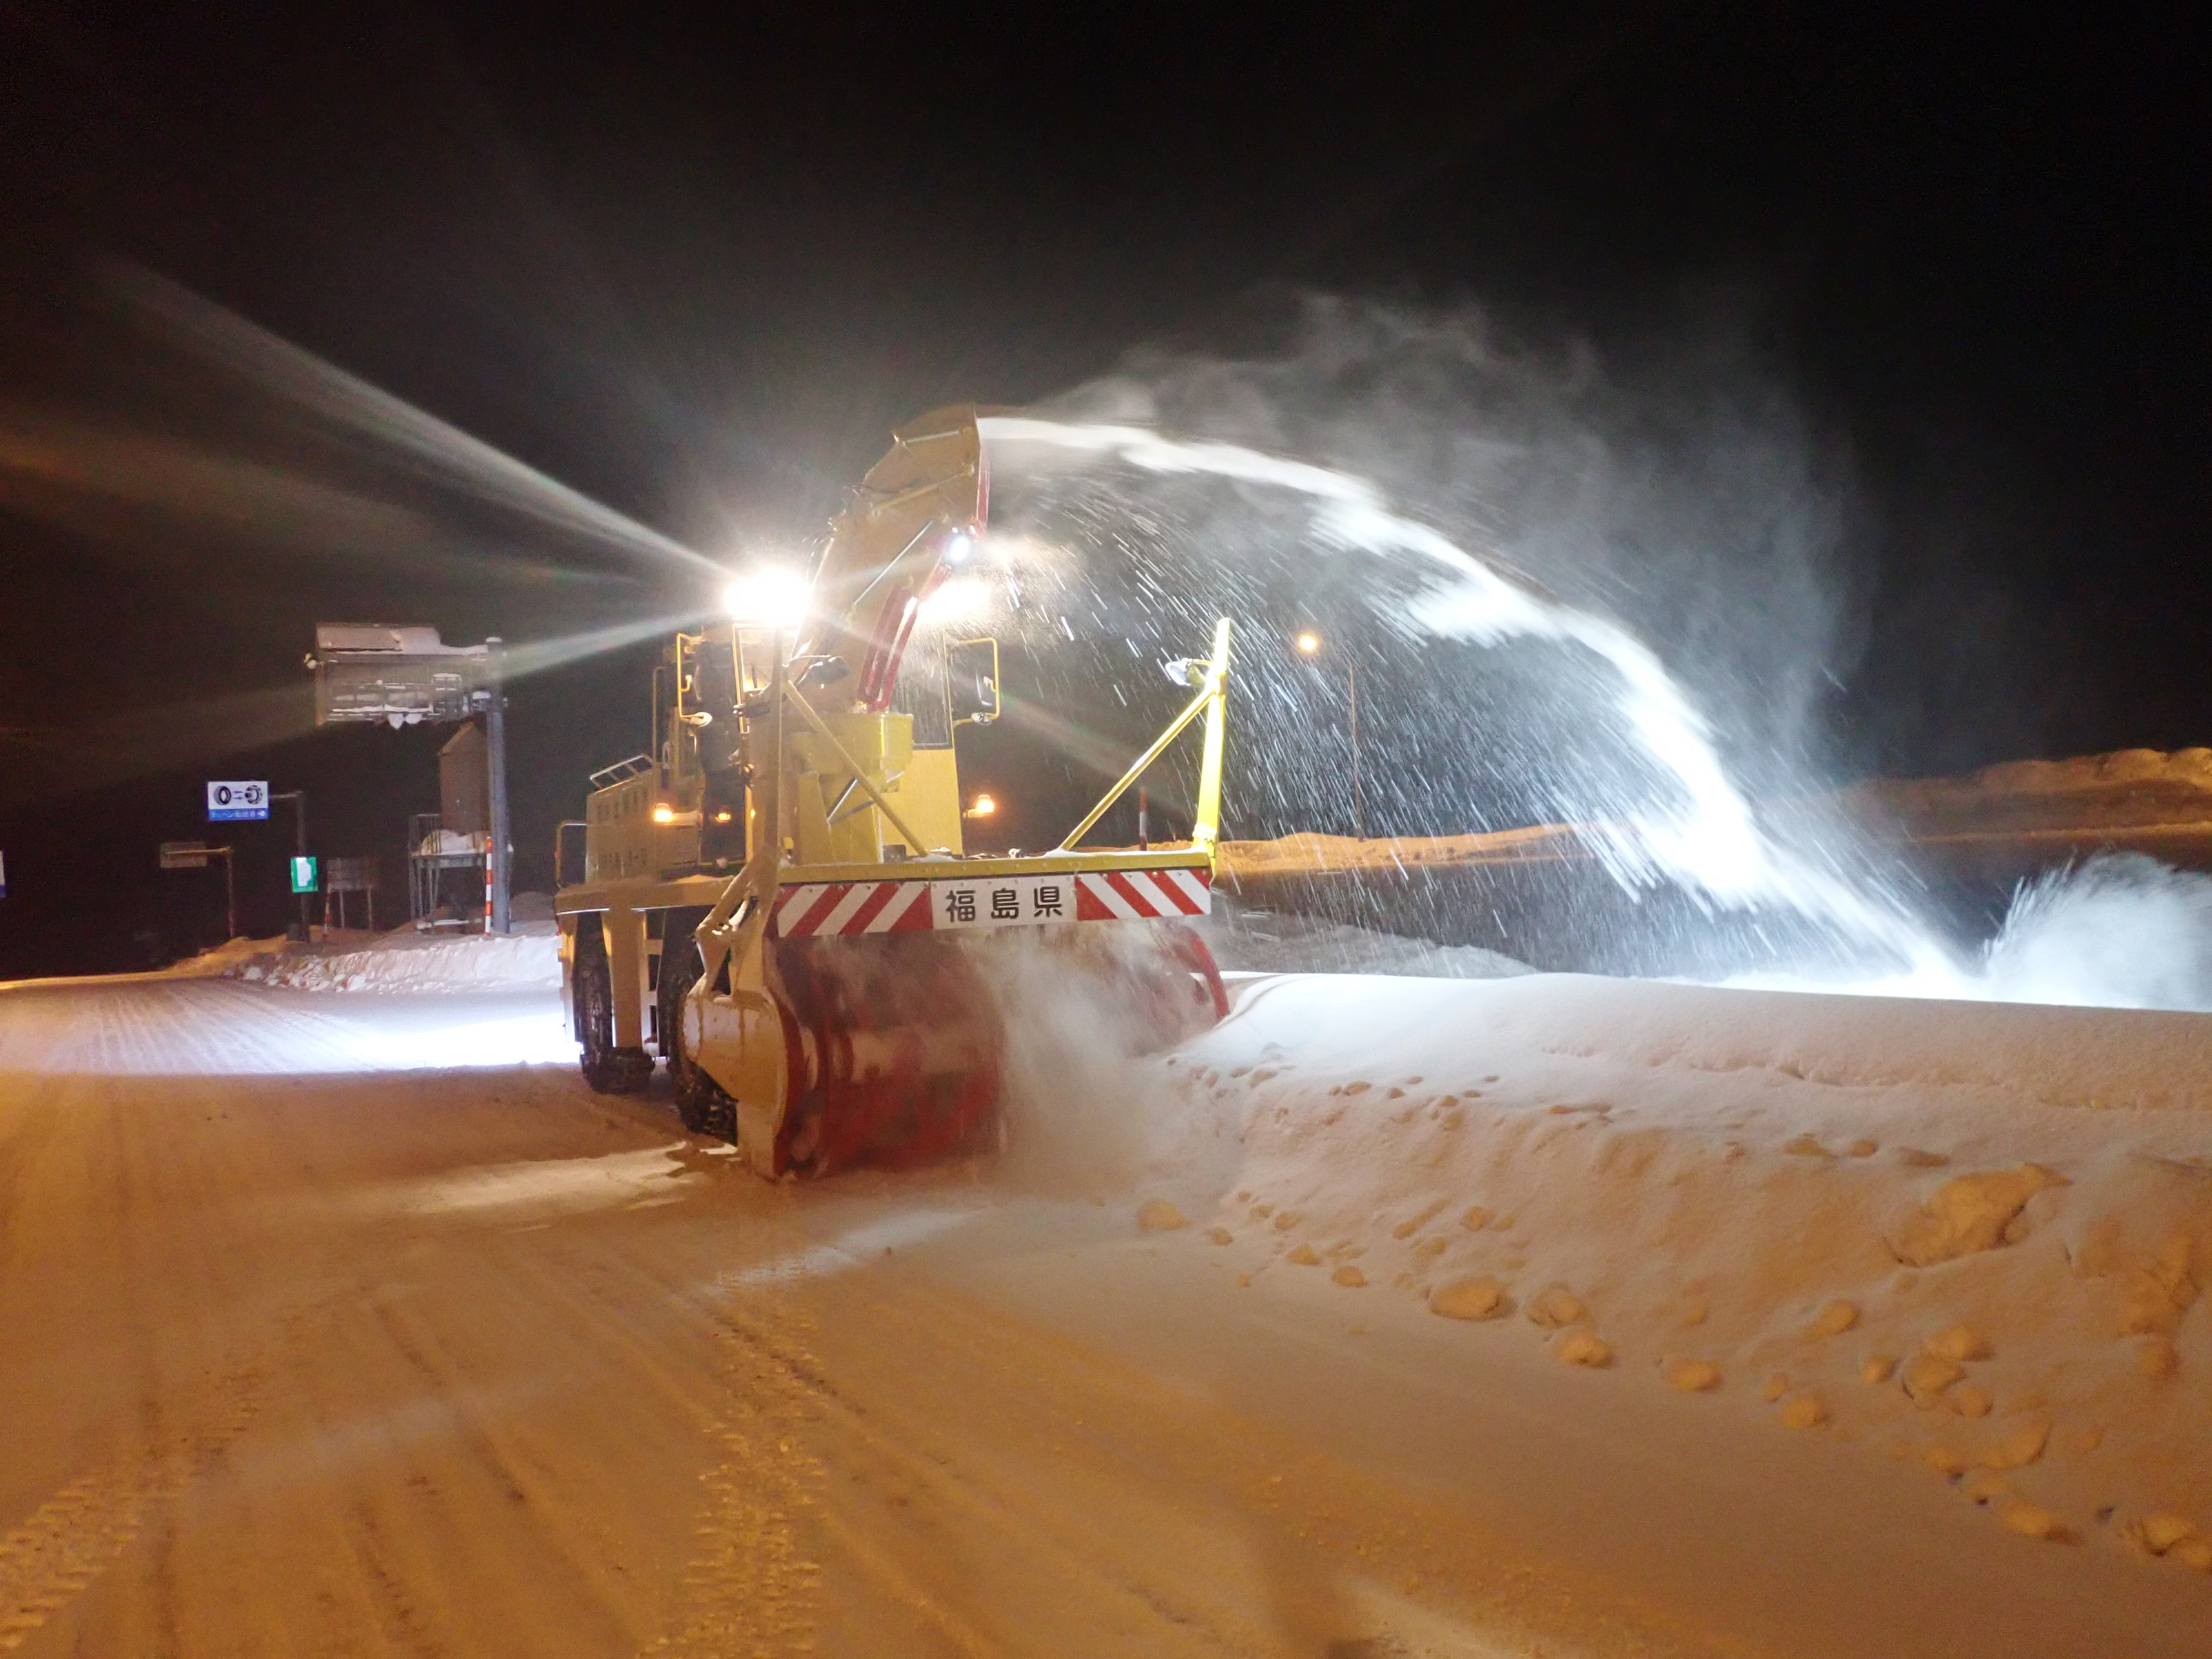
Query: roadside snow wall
(1973,1237)
(480,962)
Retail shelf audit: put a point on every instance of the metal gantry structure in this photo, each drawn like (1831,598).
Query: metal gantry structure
(404,675)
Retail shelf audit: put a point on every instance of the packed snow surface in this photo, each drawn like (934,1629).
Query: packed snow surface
(1393,1316)
(1968,1237)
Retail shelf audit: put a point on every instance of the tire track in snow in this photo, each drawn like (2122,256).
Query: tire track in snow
(1016,1491)
(71,1538)
(752,1580)
(1047,1538)
(750,1588)
(68,1540)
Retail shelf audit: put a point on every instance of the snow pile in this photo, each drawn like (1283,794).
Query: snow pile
(1971,1237)
(450,843)
(2130,787)
(1307,853)
(409,961)
(217,962)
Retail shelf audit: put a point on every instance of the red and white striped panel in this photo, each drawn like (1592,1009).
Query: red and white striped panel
(1137,895)
(852,907)
(819,909)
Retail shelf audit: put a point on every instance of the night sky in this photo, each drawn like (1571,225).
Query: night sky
(697,269)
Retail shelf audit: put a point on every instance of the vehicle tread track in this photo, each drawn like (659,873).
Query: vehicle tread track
(767,1489)
(71,1538)
(749,1587)
(1076,1553)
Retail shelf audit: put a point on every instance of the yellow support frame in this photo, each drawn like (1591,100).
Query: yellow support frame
(1212,700)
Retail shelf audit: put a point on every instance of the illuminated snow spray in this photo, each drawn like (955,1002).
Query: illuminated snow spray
(1707,840)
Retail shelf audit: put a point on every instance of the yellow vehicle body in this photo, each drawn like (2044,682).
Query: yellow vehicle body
(820,1001)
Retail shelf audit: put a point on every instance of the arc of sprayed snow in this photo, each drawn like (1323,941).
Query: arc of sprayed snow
(276,365)
(1713,843)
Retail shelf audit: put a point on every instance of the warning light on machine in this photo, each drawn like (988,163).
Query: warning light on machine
(722,817)
(982,808)
(664,813)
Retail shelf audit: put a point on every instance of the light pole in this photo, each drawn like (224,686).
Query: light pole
(299,799)
(495,781)
(1310,646)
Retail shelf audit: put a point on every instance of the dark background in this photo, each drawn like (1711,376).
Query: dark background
(697,267)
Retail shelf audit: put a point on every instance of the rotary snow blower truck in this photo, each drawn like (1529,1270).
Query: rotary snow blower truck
(777,902)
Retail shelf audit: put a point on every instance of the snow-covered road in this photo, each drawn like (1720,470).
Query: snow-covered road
(331,1324)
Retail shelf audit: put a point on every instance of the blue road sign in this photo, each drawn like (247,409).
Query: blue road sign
(237,800)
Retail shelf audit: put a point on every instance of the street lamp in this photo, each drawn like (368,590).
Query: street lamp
(1310,646)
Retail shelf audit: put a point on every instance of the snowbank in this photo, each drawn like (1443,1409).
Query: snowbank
(2147,799)
(2130,787)
(217,962)
(1307,853)
(1970,1238)
(408,962)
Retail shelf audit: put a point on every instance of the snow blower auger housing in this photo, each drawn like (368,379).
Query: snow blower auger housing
(778,903)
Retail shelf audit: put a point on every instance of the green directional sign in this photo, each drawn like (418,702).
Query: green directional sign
(304,875)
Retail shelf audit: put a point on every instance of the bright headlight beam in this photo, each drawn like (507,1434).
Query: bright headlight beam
(352,405)
(773,598)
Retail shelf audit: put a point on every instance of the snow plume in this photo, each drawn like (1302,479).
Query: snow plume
(1566,593)
(1083,1007)
(2121,931)
(1681,492)
(1586,723)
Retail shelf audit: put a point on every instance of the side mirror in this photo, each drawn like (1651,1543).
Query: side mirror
(971,682)
(568,843)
